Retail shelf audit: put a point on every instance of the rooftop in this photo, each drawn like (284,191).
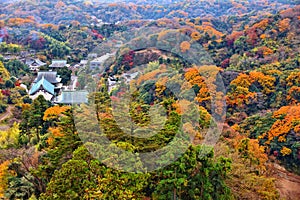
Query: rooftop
(83,62)
(73,97)
(42,84)
(101,59)
(35,62)
(58,63)
(50,76)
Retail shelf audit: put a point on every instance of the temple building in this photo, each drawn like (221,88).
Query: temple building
(58,64)
(34,64)
(42,87)
(72,97)
(47,84)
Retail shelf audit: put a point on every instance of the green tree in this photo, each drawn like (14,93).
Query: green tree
(65,75)
(59,147)
(193,176)
(32,118)
(113,184)
(19,187)
(9,84)
(74,178)
(16,68)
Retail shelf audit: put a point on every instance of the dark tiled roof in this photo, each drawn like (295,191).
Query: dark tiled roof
(39,62)
(48,75)
(36,62)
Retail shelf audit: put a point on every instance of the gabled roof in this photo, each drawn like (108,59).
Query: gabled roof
(36,62)
(42,84)
(39,62)
(50,76)
(73,97)
(58,63)
(29,61)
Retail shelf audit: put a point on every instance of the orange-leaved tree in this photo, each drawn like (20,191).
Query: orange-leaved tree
(185,46)
(282,138)
(240,93)
(288,119)
(293,86)
(4,174)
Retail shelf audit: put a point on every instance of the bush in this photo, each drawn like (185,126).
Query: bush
(27,100)
(3,108)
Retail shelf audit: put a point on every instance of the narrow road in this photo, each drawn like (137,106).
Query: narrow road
(73,83)
(7,114)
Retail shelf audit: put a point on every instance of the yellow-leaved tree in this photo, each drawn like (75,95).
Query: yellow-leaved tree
(4,174)
(4,74)
(10,137)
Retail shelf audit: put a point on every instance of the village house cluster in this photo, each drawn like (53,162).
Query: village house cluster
(48,83)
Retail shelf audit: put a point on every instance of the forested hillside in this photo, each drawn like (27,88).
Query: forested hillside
(149,99)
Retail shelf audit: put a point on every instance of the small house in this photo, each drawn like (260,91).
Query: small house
(83,63)
(34,64)
(98,62)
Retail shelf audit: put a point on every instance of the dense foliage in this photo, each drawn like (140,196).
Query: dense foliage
(44,154)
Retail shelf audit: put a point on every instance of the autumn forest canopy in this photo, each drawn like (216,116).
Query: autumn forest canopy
(149,100)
